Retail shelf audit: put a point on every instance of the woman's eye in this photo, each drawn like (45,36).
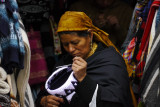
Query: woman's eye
(75,43)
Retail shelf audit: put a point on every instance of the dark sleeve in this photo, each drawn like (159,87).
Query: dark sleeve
(101,103)
(41,94)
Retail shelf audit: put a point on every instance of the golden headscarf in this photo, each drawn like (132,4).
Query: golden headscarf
(79,21)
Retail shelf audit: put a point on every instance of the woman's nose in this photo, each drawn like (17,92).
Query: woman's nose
(71,48)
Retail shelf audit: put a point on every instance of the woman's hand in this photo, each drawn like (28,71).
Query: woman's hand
(79,67)
(51,101)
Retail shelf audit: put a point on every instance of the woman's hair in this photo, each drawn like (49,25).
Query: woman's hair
(79,33)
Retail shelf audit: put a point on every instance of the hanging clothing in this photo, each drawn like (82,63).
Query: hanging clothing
(38,71)
(138,21)
(142,52)
(150,80)
(149,87)
(23,87)
(138,25)
(11,42)
(152,33)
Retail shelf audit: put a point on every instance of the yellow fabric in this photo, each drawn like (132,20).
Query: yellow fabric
(93,49)
(79,21)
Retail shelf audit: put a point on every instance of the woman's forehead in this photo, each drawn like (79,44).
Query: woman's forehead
(70,37)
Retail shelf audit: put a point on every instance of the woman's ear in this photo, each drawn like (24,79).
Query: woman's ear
(90,31)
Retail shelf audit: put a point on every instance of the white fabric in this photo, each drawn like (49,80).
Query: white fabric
(3,74)
(23,76)
(4,87)
(12,83)
(68,85)
(93,101)
(28,98)
(152,34)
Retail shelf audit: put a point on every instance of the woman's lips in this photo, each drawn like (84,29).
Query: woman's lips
(76,54)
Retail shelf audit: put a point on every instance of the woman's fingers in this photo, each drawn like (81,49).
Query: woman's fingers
(57,99)
(79,67)
(53,101)
(79,61)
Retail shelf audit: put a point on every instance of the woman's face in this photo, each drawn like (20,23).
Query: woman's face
(76,45)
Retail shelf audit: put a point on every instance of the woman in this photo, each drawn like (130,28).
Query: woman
(99,69)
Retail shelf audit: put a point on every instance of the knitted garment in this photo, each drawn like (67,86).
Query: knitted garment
(12,46)
(4,87)
(62,83)
(3,74)
(5,101)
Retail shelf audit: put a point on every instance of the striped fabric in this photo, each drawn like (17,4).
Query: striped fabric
(152,34)
(128,54)
(143,50)
(138,20)
(150,80)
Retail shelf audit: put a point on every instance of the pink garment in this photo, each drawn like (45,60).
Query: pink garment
(38,70)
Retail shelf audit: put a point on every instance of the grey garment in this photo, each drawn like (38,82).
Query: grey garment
(158,97)
(156,34)
(149,91)
(154,49)
(5,100)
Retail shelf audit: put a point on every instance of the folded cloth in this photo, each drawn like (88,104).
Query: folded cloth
(62,83)
(4,87)
(3,74)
